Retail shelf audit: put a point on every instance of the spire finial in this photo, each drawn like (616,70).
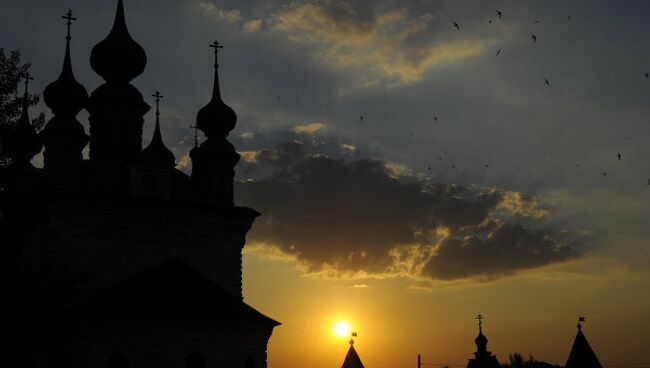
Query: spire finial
(216,46)
(27,78)
(68,16)
(580,321)
(216,91)
(480,319)
(158,96)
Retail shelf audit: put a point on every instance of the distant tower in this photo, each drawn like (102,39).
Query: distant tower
(352,359)
(582,356)
(63,136)
(116,108)
(213,162)
(482,357)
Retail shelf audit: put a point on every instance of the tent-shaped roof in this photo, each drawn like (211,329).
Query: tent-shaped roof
(171,291)
(582,356)
(352,359)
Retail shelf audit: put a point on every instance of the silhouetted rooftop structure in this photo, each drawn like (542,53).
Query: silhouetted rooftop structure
(581,355)
(482,357)
(352,359)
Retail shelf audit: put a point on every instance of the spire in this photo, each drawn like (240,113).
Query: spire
(157,151)
(582,355)
(66,96)
(352,359)
(118,58)
(481,341)
(216,119)
(23,142)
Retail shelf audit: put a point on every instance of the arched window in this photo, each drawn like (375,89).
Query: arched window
(117,360)
(249,362)
(195,360)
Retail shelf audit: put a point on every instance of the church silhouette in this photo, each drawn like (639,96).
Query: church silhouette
(162,250)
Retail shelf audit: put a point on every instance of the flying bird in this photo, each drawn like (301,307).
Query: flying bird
(435,118)
(645,74)
(605,174)
(490,21)
(547,82)
(486,165)
(498,52)
(536,21)
(618,155)
(456,25)
(499,13)
(360,117)
(428,167)
(649,182)
(533,37)
(569,17)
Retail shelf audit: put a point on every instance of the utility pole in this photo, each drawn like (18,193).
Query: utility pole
(419,361)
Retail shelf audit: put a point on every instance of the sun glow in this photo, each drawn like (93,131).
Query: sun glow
(341,328)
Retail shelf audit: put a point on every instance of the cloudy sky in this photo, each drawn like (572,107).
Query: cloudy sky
(411,174)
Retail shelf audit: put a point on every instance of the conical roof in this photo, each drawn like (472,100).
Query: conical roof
(352,359)
(582,356)
(157,152)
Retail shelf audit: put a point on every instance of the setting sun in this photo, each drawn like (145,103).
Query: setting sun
(342,328)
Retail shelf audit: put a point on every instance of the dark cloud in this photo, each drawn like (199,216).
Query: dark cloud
(371,217)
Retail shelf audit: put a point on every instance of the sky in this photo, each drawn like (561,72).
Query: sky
(410,174)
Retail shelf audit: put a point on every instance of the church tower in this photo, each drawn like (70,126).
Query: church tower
(352,359)
(161,251)
(482,357)
(582,355)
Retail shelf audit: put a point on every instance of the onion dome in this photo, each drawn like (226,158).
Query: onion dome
(66,96)
(118,58)
(156,151)
(481,342)
(216,119)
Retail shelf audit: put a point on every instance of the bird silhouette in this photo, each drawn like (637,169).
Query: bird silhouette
(649,182)
(490,21)
(605,174)
(454,166)
(645,74)
(499,13)
(618,155)
(533,37)
(569,17)
(547,82)
(360,117)
(486,165)
(536,21)
(428,167)
(435,118)
(456,25)
(498,52)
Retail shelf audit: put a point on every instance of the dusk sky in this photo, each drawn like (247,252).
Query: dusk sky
(410,174)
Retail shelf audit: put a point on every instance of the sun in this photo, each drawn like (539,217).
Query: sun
(341,328)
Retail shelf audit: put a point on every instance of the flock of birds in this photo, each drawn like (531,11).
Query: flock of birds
(533,37)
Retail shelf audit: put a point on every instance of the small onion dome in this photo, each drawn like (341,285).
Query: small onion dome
(65,96)
(156,152)
(481,342)
(118,58)
(24,143)
(216,119)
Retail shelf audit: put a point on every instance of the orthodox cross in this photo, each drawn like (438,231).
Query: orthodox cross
(69,19)
(196,134)
(480,322)
(27,78)
(158,96)
(216,46)
(580,320)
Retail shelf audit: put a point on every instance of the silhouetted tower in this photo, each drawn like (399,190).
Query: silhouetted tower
(581,355)
(213,162)
(116,108)
(23,143)
(64,136)
(482,357)
(352,359)
(153,169)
